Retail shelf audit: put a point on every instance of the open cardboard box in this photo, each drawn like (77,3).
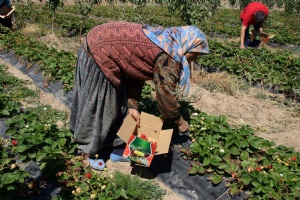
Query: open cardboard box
(151,127)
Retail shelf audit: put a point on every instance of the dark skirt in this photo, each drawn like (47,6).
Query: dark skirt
(98,108)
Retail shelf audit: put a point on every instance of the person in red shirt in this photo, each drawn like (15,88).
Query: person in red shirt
(254,13)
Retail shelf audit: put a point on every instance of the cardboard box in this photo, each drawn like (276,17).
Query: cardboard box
(151,127)
(140,150)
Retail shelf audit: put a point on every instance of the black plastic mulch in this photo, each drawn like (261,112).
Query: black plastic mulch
(171,168)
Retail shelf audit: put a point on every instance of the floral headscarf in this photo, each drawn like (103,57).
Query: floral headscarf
(177,41)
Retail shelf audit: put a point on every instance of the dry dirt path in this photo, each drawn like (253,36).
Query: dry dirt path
(271,120)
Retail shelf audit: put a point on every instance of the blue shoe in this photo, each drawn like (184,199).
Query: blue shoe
(117,156)
(97,164)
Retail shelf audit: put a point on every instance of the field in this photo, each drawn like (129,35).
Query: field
(243,108)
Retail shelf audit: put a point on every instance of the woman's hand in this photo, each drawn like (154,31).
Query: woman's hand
(135,114)
(183,126)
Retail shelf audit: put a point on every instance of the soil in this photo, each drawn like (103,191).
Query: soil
(270,118)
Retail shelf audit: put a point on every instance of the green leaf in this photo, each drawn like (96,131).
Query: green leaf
(32,155)
(4,112)
(227,158)
(235,151)
(120,193)
(61,141)
(244,155)
(255,144)
(233,190)
(215,178)
(5,161)
(246,179)
(195,164)
(22,157)
(209,140)
(206,161)
(258,189)
(47,149)
(10,187)
(53,146)
(48,140)
(201,170)
(57,151)
(11,131)
(40,156)
(223,166)
(20,148)
(193,170)
(8,178)
(244,143)
(215,160)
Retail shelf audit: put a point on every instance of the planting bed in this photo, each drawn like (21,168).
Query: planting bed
(221,158)
(171,169)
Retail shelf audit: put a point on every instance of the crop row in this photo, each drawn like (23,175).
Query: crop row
(223,21)
(276,70)
(231,154)
(33,136)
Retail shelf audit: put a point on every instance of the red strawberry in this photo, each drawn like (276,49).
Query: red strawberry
(258,169)
(294,158)
(144,137)
(269,166)
(14,142)
(88,175)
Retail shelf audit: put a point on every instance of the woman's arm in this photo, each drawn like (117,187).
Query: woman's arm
(243,29)
(134,90)
(166,77)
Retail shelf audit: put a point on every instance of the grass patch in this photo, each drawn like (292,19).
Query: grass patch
(137,188)
(221,82)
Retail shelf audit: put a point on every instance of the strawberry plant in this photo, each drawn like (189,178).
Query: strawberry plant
(11,91)
(13,177)
(245,162)
(80,182)
(36,137)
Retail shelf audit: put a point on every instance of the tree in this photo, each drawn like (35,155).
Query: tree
(53,5)
(193,11)
(85,9)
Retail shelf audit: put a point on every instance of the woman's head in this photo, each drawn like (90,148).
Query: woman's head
(195,40)
(259,17)
(183,44)
(195,43)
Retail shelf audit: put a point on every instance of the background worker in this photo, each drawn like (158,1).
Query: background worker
(113,64)
(254,13)
(5,7)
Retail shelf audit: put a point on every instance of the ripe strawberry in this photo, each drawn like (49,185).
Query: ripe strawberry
(294,158)
(88,175)
(269,166)
(14,142)
(144,137)
(258,169)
